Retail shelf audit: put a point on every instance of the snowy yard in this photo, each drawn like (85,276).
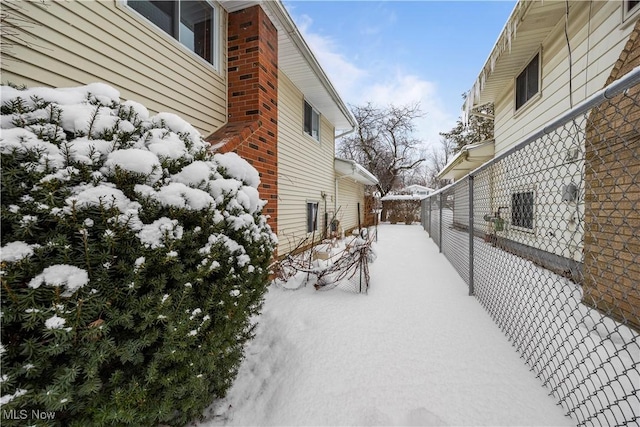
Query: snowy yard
(417,350)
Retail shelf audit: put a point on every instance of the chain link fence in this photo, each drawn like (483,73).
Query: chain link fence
(547,237)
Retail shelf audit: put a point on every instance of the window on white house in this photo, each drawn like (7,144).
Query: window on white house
(191,22)
(630,9)
(311,121)
(522,209)
(528,82)
(312,217)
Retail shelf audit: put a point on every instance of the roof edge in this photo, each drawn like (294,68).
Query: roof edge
(281,13)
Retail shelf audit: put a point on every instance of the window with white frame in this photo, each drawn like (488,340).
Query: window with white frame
(312,217)
(311,121)
(192,23)
(630,8)
(528,82)
(522,209)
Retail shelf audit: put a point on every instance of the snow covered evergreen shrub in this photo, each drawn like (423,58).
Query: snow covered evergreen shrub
(132,261)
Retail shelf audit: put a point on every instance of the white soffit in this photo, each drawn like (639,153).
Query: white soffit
(296,60)
(351,169)
(527,27)
(468,159)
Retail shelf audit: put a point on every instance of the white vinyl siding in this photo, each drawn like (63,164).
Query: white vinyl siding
(305,169)
(76,43)
(592,57)
(350,193)
(597,38)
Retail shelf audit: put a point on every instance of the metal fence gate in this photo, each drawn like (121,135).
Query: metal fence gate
(547,237)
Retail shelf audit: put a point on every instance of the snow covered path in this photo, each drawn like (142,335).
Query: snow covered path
(417,350)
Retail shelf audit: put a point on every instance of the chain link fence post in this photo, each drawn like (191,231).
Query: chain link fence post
(471,236)
(429,216)
(440,196)
(553,252)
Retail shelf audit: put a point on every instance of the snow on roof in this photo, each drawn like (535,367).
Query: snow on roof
(531,22)
(419,187)
(404,197)
(470,157)
(345,167)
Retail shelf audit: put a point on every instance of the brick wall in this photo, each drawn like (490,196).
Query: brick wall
(252,128)
(612,199)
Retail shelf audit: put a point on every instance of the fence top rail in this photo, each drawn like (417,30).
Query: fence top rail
(627,81)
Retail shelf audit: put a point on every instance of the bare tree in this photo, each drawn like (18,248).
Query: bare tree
(478,128)
(436,159)
(14,23)
(384,142)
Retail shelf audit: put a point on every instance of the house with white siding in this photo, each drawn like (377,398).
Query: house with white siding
(550,56)
(239,71)
(554,203)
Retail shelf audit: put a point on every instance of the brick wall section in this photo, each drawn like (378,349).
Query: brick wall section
(252,128)
(612,199)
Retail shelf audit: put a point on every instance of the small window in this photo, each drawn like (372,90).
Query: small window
(522,209)
(192,22)
(630,5)
(311,121)
(527,83)
(312,217)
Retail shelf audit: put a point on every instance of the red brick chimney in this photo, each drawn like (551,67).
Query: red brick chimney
(252,127)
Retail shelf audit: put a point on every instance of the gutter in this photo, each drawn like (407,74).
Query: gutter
(463,155)
(346,133)
(356,169)
(501,45)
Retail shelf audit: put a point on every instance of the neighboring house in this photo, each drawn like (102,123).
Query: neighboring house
(403,205)
(351,179)
(550,56)
(239,71)
(419,190)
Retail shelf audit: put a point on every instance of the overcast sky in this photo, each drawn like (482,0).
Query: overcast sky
(403,51)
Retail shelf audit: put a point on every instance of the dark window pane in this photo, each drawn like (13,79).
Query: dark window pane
(195,26)
(532,78)
(196,18)
(522,209)
(308,118)
(312,213)
(527,82)
(159,12)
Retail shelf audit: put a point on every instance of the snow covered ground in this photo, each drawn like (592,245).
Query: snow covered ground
(417,350)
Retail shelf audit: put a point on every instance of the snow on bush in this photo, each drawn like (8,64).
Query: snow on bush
(132,260)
